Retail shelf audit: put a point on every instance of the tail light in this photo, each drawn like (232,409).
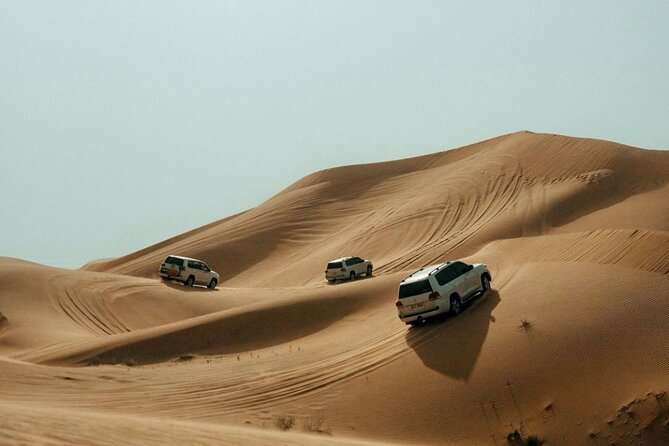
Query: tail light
(343,270)
(434,296)
(398,304)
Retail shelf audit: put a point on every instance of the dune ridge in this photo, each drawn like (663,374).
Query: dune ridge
(569,345)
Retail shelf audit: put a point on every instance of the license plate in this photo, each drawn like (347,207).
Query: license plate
(414,306)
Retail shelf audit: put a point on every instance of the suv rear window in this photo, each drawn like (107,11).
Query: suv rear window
(174,261)
(334,265)
(415,288)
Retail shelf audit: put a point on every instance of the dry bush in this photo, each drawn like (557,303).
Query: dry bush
(284,422)
(533,440)
(525,325)
(316,424)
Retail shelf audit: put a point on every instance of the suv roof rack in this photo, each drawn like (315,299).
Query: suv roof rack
(434,271)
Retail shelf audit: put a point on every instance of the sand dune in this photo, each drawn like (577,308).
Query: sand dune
(575,231)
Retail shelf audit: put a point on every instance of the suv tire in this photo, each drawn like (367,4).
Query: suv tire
(456,306)
(485,284)
(369,271)
(212,284)
(190,281)
(352,276)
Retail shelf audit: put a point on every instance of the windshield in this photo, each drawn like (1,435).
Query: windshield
(334,265)
(415,288)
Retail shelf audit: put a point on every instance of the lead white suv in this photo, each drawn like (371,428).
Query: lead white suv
(348,268)
(440,288)
(189,271)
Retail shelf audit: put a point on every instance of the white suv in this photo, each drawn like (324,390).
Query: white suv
(189,271)
(347,268)
(440,288)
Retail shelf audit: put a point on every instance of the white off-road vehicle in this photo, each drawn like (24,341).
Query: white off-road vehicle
(347,268)
(189,271)
(440,288)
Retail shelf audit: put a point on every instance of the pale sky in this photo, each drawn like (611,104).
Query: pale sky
(123,123)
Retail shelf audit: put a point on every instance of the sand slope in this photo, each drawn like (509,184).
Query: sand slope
(575,231)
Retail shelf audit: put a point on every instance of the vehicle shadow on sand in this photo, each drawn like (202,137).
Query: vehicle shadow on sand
(189,289)
(451,344)
(342,281)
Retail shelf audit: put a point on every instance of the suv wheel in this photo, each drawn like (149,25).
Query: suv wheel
(190,281)
(369,270)
(212,284)
(456,306)
(352,276)
(485,284)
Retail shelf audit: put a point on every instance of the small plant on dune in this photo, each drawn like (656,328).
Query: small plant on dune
(316,424)
(533,440)
(516,438)
(186,357)
(284,422)
(525,325)
(130,362)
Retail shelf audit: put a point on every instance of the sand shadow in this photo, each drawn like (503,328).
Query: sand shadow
(451,345)
(188,289)
(342,281)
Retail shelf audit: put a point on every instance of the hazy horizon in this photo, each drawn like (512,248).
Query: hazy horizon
(104,107)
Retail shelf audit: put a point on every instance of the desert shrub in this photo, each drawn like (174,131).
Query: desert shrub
(284,422)
(316,424)
(533,440)
(516,438)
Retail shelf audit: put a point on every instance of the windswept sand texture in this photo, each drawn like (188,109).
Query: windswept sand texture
(575,231)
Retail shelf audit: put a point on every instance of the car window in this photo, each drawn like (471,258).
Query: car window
(205,267)
(174,261)
(334,265)
(460,268)
(194,265)
(415,288)
(350,262)
(446,275)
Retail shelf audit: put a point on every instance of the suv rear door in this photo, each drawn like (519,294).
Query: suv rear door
(359,266)
(414,297)
(196,270)
(470,282)
(450,281)
(173,266)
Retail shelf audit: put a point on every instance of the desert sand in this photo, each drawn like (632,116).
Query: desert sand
(571,345)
